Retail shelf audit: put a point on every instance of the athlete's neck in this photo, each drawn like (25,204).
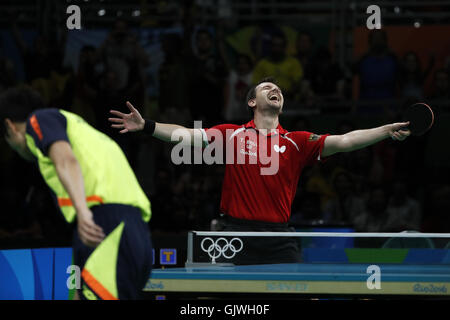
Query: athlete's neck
(267,122)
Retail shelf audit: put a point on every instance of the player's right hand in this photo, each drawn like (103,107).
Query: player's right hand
(89,232)
(132,121)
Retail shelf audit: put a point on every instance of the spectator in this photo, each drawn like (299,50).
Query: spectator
(7,72)
(326,77)
(36,59)
(109,94)
(318,180)
(87,84)
(366,167)
(237,85)
(43,64)
(162,200)
(307,210)
(287,70)
(412,77)
(437,217)
(404,212)
(305,53)
(347,204)
(124,57)
(441,87)
(173,76)
(208,74)
(374,216)
(378,69)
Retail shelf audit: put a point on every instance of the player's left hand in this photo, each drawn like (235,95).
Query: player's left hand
(398,131)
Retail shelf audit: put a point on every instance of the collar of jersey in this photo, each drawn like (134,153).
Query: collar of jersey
(280,129)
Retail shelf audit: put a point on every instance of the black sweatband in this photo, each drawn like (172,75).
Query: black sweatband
(149,126)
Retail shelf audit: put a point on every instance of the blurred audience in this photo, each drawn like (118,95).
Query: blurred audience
(374,216)
(87,80)
(200,78)
(173,76)
(7,71)
(325,82)
(304,45)
(378,69)
(441,85)
(238,83)
(286,69)
(348,203)
(404,212)
(307,210)
(207,78)
(437,217)
(412,77)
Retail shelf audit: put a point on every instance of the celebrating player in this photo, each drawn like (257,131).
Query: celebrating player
(252,201)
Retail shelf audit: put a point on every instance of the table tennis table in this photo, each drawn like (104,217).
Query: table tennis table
(303,280)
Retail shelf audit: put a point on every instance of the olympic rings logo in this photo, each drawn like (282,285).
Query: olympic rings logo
(221,247)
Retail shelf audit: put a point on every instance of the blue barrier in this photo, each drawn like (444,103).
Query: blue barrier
(34,274)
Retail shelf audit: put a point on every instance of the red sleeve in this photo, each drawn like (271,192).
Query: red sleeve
(311,146)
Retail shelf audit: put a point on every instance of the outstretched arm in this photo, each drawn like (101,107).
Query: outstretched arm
(133,121)
(359,139)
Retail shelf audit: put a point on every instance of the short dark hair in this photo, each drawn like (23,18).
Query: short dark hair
(18,103)
(251,94)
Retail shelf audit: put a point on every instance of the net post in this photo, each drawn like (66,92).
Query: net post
(190,248)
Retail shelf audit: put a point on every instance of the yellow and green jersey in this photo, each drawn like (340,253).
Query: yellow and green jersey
(108,177)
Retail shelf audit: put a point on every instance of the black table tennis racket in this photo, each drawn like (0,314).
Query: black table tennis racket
(420,117)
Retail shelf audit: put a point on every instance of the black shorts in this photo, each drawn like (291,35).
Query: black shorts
(121,265)
(263,250)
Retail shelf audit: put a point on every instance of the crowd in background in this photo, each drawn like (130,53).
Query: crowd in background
(386,187)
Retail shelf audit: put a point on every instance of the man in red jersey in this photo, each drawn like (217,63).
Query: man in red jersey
(263,165)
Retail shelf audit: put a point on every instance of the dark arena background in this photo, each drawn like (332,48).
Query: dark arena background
(342,66)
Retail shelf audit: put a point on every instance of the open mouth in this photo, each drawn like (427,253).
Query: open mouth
(274,98)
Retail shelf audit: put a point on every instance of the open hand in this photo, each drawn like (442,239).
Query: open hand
(132,121)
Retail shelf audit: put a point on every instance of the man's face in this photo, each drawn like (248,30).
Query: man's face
(269,96)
